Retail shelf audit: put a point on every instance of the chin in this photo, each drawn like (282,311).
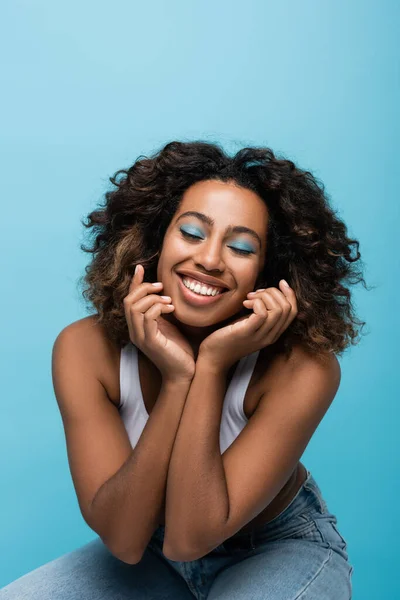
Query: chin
(200,321)
(203,320)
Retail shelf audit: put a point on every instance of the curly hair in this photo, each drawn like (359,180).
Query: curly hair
(307,244)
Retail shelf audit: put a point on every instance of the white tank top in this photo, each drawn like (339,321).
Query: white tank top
(133,411)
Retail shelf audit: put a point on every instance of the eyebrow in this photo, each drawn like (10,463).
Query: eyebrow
(231,229)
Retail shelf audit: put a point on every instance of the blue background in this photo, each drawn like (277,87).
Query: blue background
(87,88)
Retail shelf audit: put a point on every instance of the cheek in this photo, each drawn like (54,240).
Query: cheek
(174,247)
(247,277)
(170,255)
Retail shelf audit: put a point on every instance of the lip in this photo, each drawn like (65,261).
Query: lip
(206,279)
(196,299)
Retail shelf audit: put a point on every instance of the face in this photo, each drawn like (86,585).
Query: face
(225,241)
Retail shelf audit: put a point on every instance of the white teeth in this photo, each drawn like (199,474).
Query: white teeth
(198,288)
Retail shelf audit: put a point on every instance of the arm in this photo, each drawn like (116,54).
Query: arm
(120,491)
(130,503)
(210,497)
(197,494)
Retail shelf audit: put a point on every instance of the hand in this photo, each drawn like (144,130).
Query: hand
(273,311)
(156,337)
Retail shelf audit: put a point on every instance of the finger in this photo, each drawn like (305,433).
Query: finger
(289,294)
(276,331)
(138,289)
(286,317)
(142,305)
(282,300)
(250,303)
(134,321)
(137,278)
(251,324)
(259,308)
(271,303)
(137,310)
(274,310)
(150,325)
(141,293)
(251,294)
(139,299)
(255,322)
(287,291)
(258,317)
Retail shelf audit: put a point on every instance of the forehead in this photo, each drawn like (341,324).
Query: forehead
(227,204)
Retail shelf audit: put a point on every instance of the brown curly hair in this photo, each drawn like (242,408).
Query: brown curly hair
(307,244)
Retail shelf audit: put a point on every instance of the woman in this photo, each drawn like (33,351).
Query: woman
(190,396)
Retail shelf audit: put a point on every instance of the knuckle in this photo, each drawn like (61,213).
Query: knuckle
(149,314)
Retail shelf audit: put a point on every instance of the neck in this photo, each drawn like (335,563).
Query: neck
(194,335)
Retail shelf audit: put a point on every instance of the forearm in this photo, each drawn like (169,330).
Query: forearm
(197,496)
(129,504)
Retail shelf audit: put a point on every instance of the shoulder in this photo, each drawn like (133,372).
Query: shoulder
(306,369)
(86,331)
(90,338)
(298,390)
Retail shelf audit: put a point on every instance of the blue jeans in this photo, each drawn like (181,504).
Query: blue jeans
(299,555)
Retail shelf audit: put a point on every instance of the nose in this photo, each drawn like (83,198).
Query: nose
(209,256)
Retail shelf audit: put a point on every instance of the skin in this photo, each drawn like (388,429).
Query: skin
(227,204)
(204,331)
(224,328)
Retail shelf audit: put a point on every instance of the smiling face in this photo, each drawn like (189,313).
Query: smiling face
(225,241)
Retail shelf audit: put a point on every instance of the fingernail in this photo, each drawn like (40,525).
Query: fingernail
(136,268)
(157,283)
(285,283)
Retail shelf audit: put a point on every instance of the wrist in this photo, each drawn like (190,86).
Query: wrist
(207,364)
(177,382)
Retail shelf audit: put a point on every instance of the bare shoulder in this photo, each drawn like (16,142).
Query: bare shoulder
(102,355)
(303,366)
(89,333)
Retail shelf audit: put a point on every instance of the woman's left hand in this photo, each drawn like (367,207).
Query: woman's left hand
(273,311)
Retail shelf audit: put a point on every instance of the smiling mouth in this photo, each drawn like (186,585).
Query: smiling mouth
(196,299)
(220,290)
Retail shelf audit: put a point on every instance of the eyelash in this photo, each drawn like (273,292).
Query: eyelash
(242,252)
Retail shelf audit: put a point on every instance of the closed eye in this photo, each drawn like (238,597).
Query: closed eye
(238,250)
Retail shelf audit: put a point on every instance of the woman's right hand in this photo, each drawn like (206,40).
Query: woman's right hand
(156,337)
